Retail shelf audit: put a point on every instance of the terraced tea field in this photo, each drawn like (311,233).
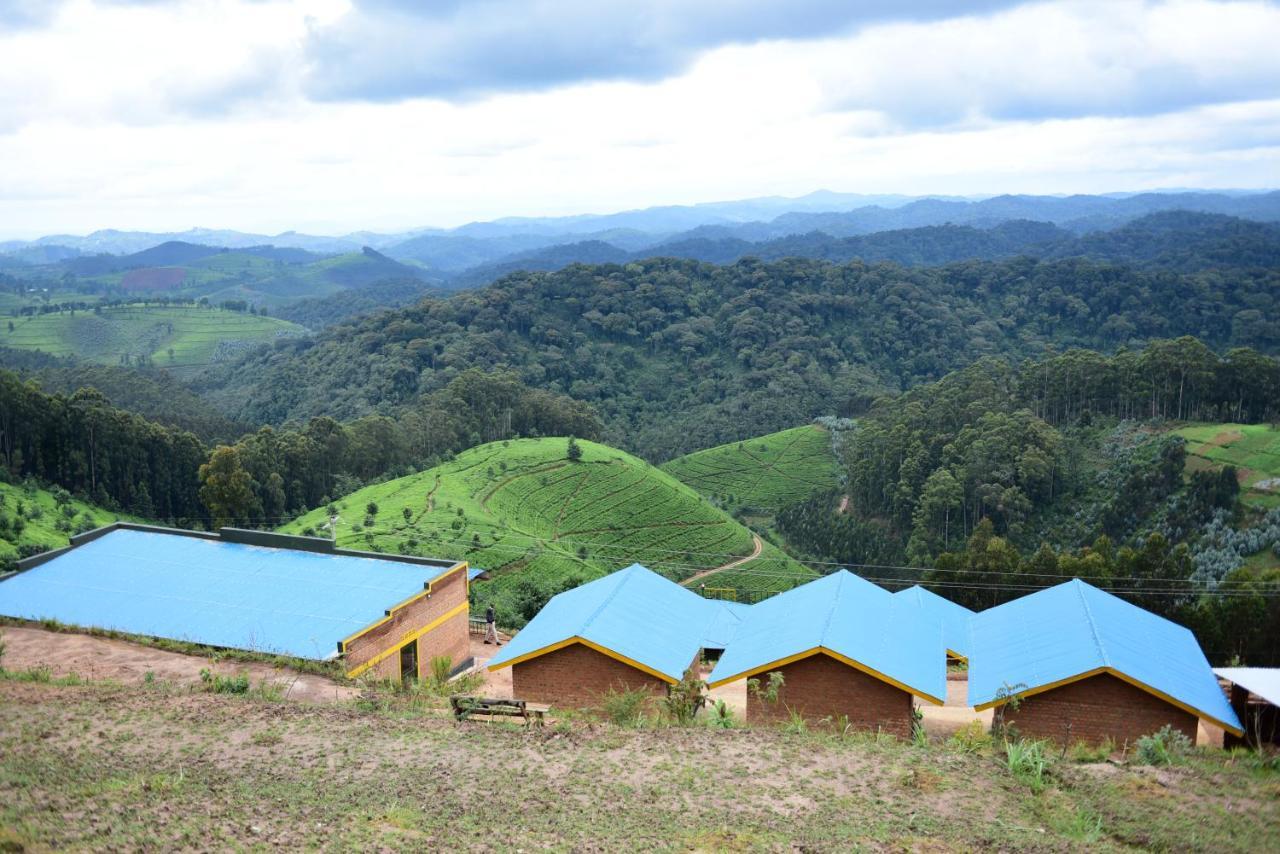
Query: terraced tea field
(766,474)
(170,336)
(523,511)
(1254,449)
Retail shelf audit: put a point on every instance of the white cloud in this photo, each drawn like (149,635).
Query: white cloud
(108,119)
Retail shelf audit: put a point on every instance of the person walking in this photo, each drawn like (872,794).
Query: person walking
(491,626)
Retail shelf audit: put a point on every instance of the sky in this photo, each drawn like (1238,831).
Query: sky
(329,116)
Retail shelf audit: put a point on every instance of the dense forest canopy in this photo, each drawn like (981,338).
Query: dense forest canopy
(679,355)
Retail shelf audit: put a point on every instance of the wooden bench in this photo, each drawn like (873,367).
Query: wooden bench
(466,707)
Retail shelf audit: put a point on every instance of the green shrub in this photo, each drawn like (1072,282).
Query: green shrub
(1083,751)
(721,716)
(971,738)
(1166,747)
(625,708)
(767,692)
(219,684)
(685,698)
(1028,761)
(441,669)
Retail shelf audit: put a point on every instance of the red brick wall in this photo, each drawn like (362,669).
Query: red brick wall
(576,676)
(1096,708)
(818,687)
(450,638)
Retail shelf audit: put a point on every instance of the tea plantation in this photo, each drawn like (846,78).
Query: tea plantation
(766,473)
(540,522)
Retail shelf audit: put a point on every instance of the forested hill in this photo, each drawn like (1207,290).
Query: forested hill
(1178,240)
(679,355)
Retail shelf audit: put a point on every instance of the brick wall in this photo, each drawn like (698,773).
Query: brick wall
(576,676)
(1096,708)
(450,638)
(818,687)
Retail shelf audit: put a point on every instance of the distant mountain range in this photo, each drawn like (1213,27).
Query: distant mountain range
(451,251)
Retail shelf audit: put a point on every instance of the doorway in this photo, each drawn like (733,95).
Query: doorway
(409,661)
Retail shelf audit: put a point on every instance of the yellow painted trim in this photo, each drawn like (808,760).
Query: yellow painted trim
(600,649)
(427,590)
(407,637)
(1111,671)
(957,656)
(817,650)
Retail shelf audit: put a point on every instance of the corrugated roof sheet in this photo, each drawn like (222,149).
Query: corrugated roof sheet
(1064,632)
(848,616)
(1263,681)
(274,600)
(633,612)
(727,616)
(953,618)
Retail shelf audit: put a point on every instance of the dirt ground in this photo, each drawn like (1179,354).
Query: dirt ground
(98,659)
(109,766)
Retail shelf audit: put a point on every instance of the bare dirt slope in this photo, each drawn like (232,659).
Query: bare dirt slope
(97,658)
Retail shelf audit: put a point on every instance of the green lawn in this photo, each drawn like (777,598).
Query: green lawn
(46,522)
(766,473)
(1254,449)
(171,336)
(523,511)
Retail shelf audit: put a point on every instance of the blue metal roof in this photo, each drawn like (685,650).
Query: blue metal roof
(474,572)
(727,616)
(848,616)
(207,591)
(953,618)
(1065,632)
(634,613)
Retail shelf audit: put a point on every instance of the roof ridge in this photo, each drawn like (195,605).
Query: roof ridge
(626,576)
(835,602)
(1093,626)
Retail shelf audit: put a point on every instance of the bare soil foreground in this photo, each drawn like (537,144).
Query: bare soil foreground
(99,658)
(161,767)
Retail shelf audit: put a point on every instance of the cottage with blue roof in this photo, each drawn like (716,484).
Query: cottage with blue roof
(630,630)
(1086,666)
(253,590)
(846,648)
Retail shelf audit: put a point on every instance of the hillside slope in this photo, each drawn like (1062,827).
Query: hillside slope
(35,520)
(165,336)
(540,522)
(1254,449)
(767,473)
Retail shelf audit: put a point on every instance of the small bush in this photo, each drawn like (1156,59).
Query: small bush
(1166,747)
(1028,761)
(971,738)
(721,716)
(685,698)
(767,692)
(1083,751)
(441,669)
(795,723)
(219,684)
(625,708)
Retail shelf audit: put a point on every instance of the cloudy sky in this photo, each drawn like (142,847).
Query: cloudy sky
(335,115)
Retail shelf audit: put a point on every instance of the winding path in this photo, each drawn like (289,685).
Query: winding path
(757,547)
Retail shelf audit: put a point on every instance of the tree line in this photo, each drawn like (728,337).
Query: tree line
(120,460)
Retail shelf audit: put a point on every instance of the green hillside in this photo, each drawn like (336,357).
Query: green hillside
(35,520)
(766,474)
(1254,449)
(166,336)
(539,522)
